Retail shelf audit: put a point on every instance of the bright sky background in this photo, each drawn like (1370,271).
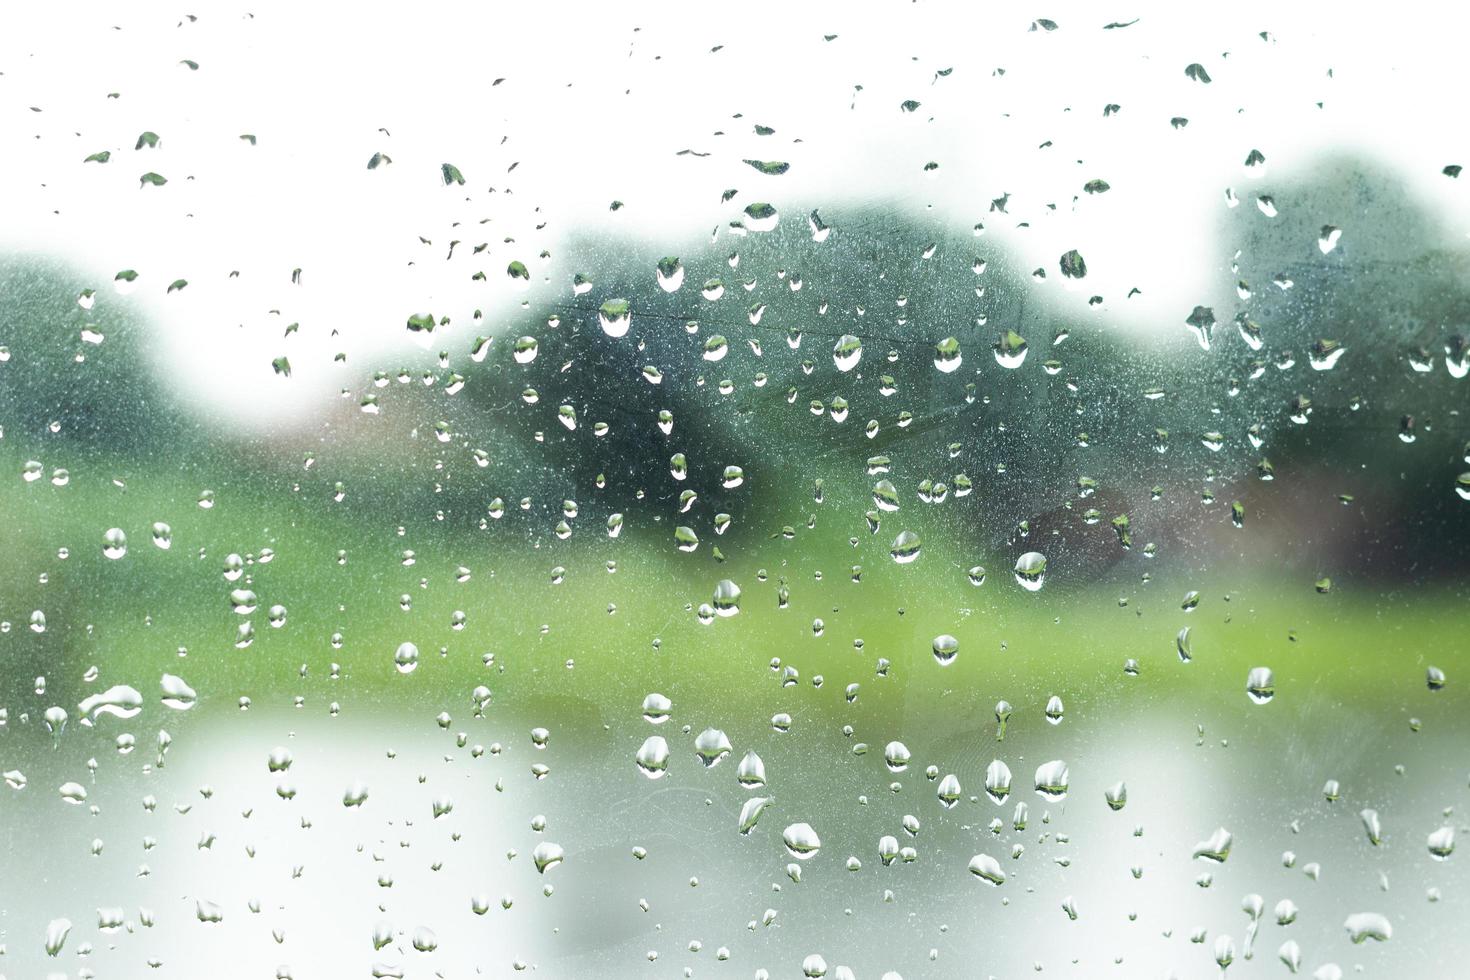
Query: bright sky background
(591,111)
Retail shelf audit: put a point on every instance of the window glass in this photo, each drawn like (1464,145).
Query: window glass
(824,490)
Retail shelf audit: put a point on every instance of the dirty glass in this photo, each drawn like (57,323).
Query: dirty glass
(905,490)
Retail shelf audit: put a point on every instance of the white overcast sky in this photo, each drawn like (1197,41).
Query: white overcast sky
(592,111)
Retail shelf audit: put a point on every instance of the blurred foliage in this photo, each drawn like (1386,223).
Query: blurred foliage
(1389,289)
(105,396)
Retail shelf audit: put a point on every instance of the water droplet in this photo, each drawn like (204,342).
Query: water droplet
(947,355)
(761,216)
(997,781)
(163,535)
(406,658)
(1372,826)
(1051,780)
(1217,848)
(885,496)
(987,869)
(547,855)
(670,273)
(726,600)
(1201,323)
(121,701)
(656,709)
(615,316)
(1442,843)
(56,933)
(114,543)
(1260,685)
(750,812)
(525,350)
(1361,926)
(1010,350)
(653,757)
(906,547)
(1325,354)
(176,693)
(801,841)
(1054,709)
(948,791)
(751,772)
(711,746)
(1030,571)
(896,756)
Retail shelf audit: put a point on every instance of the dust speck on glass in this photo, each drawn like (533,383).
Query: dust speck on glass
(902,491)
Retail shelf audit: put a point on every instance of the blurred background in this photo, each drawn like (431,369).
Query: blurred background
(387,400)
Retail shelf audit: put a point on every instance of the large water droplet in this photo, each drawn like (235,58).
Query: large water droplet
(1051,780)
(1260,685)
(948,791)
(1217,848)
(906,547)
(1030,571)
(176,693)
(987,869)
(56,933)
(997,781)
(750,812)
(1442,843)
(711,746)
(670,273)
(1010,350)
(1361,926)
(947,355)
(726,600)
(751,772)
(896,756)
(406,658)
(547,855)
(653,757)
(1201,323)
(801,841)
(121,700)
(615,316)
(656,709)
